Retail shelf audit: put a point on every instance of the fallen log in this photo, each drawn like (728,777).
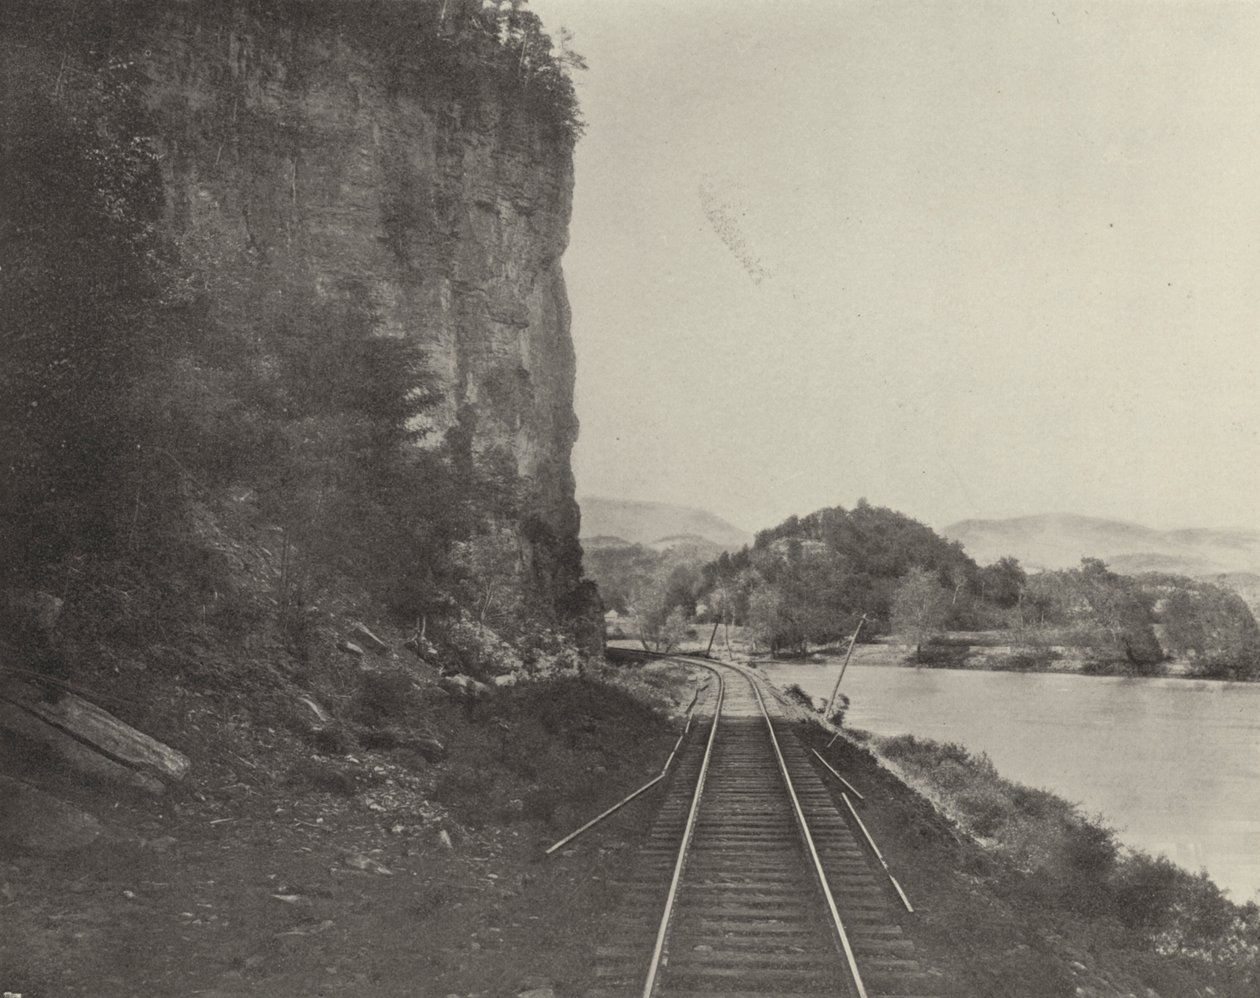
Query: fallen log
(71,751)
(103,732)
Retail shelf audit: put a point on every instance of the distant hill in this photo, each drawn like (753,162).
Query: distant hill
(692,547)
(1061,540)
(657,524)
(603,541)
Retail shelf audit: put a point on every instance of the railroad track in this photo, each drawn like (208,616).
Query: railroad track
(751,882)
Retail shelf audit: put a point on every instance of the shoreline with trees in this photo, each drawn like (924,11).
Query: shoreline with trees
(802,586)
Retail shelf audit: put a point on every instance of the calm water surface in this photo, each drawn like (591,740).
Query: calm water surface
(1172,764)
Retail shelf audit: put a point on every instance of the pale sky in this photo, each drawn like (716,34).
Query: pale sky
(960,259)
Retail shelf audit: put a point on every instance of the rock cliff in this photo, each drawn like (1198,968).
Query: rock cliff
(325,158)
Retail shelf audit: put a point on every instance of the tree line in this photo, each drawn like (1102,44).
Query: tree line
(808,581)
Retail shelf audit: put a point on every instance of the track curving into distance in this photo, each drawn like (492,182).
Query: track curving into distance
(751,882)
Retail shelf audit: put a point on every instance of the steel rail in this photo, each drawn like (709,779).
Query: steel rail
(838,776)
(600,817)
(662,933)
(841,935)
(878,855)
(643,789)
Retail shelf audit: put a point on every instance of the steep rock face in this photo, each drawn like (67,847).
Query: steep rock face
(307,170)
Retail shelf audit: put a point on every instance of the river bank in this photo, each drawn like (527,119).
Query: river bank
(989,651)
(1170,763)
(1018,893)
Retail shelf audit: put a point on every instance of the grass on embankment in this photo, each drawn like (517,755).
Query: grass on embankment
(1141,919)
(1019,895)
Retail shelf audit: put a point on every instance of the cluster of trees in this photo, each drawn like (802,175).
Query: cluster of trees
(1135,623)
(656,591)
(806,581)
(457,48)
(810,579)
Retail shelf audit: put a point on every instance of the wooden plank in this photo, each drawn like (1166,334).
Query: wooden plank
(73,752)
(100,730)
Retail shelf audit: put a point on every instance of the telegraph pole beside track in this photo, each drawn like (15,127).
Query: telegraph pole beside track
(711,637)
(847,655)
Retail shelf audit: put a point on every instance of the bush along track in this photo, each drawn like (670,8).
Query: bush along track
(1018,893)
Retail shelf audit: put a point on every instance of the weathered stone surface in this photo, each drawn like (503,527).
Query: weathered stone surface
(464,686)
(314,713)
(445,213)
(427,745)
(33,821)
(421,647)
(364,637)
(30,610)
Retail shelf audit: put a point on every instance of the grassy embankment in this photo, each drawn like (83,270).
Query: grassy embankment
(1019,893)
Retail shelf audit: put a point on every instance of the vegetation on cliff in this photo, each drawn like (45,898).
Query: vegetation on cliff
(151,432)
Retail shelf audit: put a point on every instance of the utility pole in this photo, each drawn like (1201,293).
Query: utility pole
(847,655)
(711,637)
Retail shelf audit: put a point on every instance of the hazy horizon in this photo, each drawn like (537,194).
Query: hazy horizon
(965,261)
(753,528)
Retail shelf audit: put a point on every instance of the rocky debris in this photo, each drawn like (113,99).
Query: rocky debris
(464,686)
(421,647)
(34,821)
(350,648)
(324,732)
(365,864)
(325,776)
(543,992)
(366,639)
(162,844)
(30,610)
(444,839)
(427,745)
(319,716)
(507,679)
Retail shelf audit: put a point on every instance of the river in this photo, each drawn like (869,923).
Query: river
(1172,764)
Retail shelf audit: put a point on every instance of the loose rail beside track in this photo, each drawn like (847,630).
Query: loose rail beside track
(751,882)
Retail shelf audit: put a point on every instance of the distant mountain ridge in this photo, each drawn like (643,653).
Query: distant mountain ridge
(656,523)
(1061,540)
